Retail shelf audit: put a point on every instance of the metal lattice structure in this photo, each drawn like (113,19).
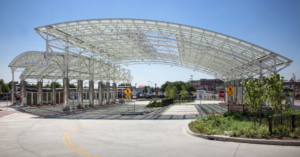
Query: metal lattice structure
(35,66)
(133,41)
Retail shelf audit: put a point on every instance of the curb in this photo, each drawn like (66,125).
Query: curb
(242,140)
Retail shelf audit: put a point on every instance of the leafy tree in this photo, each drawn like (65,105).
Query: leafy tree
(274,89)
(183,93)
(47,86)
(254,94)
(145,89)
(9,84)
(167,92)
(189,87)
(72,85)
(152,89)
(5,87)
(164,86)
(123,84)
(173,93)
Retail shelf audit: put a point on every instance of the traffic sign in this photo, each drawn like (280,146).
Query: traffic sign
(134,92)
(134,97)
(221,94)
(193,92)
(1,92)
(230,89)
(127,96)
(230,94)
(127,91)
(72,93)
(158,93)
(19,95)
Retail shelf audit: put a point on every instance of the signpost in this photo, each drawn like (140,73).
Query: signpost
(19,95)
(134,92)
(200,95)
(127,92)
(72,96)
(230,91)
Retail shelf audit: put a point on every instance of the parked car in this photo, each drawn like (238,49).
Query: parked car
(148,96)
(161,96)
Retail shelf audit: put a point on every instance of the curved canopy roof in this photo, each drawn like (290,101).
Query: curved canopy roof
(136,41)
(35,66)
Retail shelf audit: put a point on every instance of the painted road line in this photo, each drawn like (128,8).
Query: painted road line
(75,148)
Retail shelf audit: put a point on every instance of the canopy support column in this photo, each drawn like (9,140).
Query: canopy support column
(80,92)
(114,92)
(66,94)
(12,87)
(40,92)
(53,88)
(23,92)
(107,93)
(91,88)
(100,91)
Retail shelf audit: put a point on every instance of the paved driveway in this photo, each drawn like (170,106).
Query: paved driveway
(23,134)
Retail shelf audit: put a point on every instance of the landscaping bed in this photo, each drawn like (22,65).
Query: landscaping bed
(245,125)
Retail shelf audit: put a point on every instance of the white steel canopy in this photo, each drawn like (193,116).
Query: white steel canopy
(35,66)
(134,41)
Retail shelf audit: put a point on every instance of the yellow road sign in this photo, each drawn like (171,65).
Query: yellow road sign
(1,92)
(127,96)
(127,91)
(193,92)
(230,94)
(230,89)
(158,93)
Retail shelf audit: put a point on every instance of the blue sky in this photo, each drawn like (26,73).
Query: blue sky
(271,24)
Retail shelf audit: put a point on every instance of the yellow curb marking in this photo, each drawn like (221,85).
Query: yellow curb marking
(77,150)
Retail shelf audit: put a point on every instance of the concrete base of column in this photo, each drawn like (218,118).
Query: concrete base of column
(66,95)
(107,93)
(53,87)
(80,92)
(40,92)
(91,88)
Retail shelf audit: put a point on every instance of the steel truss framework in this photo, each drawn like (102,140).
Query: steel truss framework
(78,67)
(133,41)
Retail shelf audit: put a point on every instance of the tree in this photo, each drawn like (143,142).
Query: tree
(183,93)
(72,85)
(274,89)
(164,86)
(145,89)
(167,92)
(254,94)
(173,93)
(5,87)
(9,84)
(47,86)
(152,89)
(189,87)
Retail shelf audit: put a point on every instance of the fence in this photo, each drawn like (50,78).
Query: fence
(166,102)
(289,121)
(183,100)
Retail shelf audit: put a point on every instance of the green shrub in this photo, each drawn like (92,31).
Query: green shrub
(297,130)
(263,132)
(293,135)
(154,104)
(250,132)
(233,134)
(282,131)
